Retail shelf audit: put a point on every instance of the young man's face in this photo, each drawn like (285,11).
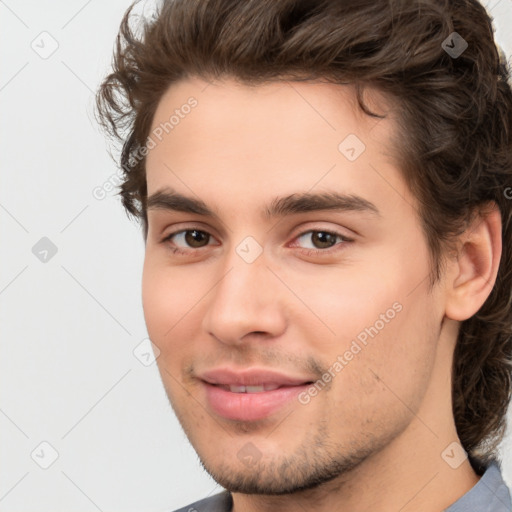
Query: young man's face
(338,297)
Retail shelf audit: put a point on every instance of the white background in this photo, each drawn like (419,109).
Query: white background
(68,375)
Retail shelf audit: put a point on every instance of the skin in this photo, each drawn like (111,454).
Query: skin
(373,438)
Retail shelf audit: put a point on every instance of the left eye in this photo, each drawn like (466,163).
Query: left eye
(320,239)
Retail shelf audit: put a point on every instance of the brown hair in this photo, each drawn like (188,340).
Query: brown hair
(454,145)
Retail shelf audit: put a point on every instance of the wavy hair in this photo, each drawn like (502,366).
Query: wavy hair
(453,143)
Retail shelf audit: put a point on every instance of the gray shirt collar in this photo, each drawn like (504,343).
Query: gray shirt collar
(489,494)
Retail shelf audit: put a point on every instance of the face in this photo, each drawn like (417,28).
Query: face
(278,281)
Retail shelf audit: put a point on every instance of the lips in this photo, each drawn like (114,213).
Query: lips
(250,395)
(235,388)
(252,378)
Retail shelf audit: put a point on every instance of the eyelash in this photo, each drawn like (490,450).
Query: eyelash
(308,252)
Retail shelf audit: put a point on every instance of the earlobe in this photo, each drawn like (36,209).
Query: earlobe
(473,272)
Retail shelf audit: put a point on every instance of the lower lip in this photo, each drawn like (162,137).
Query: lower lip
(250,406)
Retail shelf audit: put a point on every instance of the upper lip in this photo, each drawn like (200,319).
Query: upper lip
(250,377)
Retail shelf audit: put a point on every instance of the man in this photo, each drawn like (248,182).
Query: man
(325,194)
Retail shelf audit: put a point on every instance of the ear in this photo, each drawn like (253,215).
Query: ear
(472,272)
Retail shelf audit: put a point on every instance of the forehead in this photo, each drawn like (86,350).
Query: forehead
(283,134)
(323,107)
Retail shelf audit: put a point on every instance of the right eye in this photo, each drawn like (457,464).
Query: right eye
(187,240)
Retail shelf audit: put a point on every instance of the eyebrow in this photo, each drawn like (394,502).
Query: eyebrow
(168,199)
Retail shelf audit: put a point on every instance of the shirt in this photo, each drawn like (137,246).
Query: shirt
(489,494)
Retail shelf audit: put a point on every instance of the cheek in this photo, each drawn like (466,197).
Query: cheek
(157,299)
(390,374)
(337,305)
(382,324)
(168,296)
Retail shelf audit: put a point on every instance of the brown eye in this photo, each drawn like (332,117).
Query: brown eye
(195,238)
(188,239)
(319,239)
(323,240)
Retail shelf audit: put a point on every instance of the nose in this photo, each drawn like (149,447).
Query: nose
(246,300)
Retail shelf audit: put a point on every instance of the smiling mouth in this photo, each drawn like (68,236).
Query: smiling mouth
(254,389)
(251,402)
